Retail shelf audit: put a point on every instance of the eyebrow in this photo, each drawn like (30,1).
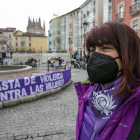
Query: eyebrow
(110,45)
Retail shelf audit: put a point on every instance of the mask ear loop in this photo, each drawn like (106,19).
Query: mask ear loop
(121,69)
(117,57)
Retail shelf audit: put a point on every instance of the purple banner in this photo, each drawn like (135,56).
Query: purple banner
(16,88)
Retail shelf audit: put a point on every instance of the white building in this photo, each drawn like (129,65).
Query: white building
(107,11)
(91,12)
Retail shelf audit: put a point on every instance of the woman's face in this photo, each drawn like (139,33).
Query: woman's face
(108,50)
(102,102)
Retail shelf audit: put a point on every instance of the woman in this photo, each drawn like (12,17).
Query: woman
(109,103)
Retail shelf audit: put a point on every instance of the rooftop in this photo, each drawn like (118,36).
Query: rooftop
(7,29)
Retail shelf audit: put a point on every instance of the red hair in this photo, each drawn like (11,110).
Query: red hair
(127,44)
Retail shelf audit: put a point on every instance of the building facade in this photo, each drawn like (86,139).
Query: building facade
(64,33)
(8,32)
(29,42)
(3,46)
(67,32)
(91,13)
(57,35)
(72,24)
(127,12)
(50,38)
(35,27)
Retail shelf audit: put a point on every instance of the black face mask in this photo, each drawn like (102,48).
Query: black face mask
(102,68)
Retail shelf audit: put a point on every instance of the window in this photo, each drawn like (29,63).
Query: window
(106,1)
(136,5)
(10,44)
(29,44)
(70,29)
(16,49)
(16,44)
(136,1)
(29,38)
(22,38)
(135,25)
(121,11)
(2,47)
(9,36)
(70,24)
(109,13)
(70,33)
(22,43)
(16,38)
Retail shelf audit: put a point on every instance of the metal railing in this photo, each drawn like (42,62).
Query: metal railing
(120,16)
(70,33)
(134,9)
(70,25)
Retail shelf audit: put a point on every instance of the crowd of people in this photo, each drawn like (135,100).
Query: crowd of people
(59,59)
(32,60)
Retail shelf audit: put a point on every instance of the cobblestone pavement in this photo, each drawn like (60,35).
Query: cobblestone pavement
(49,118)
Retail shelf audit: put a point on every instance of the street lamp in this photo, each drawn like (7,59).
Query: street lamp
(85,27)
(70,41)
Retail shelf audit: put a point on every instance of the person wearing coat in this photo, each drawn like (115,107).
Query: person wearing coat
(109,102)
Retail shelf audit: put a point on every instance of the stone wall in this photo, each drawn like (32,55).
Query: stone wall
(14,72)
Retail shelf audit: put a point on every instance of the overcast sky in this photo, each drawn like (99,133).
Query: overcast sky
(15,13)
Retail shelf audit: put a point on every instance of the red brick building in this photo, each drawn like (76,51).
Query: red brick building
(128,12)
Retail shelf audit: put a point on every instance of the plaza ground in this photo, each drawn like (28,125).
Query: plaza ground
(49,118)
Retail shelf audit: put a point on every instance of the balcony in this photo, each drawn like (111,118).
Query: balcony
(3,48)
(61,51)
(134,9)
(120,16)
(50,34)
(70,33)
(22,49)
(3,39)
(70,25)
(50,42)
(84,16)
(58,32)
(22,43)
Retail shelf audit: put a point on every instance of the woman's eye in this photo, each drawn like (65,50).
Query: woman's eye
(106,48)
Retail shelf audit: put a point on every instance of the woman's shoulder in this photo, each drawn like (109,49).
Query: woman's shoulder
(82,88)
